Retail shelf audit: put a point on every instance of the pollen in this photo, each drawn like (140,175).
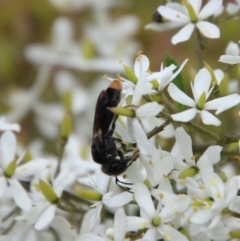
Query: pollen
(213,182)
(150,162)
(167,236)
(218,195)
(165,176)
(201,186)
(143,225)
(193,157)
(125,176)
(161,196)
(177,213)
(120,60)
(139,53)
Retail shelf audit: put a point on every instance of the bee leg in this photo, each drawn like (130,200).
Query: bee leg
(118,182)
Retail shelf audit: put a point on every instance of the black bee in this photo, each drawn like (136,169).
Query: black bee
(157,17)
(104,148)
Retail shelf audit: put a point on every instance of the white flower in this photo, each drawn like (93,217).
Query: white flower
(45,197)
(232,54)
(201,89)
(184,154)
(157,221)
(189,15)
(233,8)
(5,126)
(11,172)
(117,233)
(222,195)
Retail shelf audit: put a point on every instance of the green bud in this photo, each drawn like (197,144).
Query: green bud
(191,12)
(185,233)
(88,49)
(156,221)
(155,84)
(190,172)
(214,79)
(235,234)
(89,195)
(223,176)
(66,126)
(130,74)
(201,101)
(67,101)
(10,170)
(27,157)
(122,111)
(48,192)
(147,183)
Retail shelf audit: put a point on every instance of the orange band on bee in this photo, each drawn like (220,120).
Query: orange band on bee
(116,84)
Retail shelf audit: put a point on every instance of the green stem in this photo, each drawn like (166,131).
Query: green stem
(200,47)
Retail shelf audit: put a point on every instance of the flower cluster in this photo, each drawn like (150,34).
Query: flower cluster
(169,128)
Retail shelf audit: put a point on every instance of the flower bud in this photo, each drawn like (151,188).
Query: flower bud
(130,74)
(66,126)
(48,192)
(201,101)
(10,170)
(191,12)
(122,111)
(189,172)
(185,233)
(235,234)
(89,195)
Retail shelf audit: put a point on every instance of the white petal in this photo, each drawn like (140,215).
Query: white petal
(163,26)
(179,96)
(213,154)
(200,217)
(209,119)
(139,89)
(170,233)
(235,205)
(178,204)
(223,103)
(3,185)
(46,218)
(229,59)
(232,8)
(141,65)
(149,110)
(184,34)
(232,49)
(8,145)
(20,195)
(210,8)
(177,72)
(231,191)
(120,200)
(201,83)
(63,227)
(120,225)
(185,116)
(209,30)
(163,167)
(89,237)
(144,199)
(184,142)
(172,14)
(141,138)
(219,75)
(136,223)
(196,4)
(30,168)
